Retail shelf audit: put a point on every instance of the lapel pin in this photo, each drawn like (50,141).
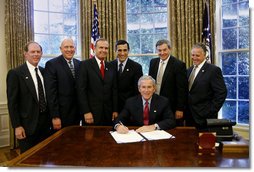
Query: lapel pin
(127,70)
(203,70)
(154,111)
(106,68)
(26,77)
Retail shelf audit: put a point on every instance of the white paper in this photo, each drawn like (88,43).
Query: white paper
(131,136)
(157,135)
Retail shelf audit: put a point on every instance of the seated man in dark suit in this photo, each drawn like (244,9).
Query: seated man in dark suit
(148,110)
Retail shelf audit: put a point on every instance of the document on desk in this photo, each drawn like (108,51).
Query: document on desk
(157,135)
(131,136)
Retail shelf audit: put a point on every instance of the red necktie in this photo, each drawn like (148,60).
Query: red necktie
(102,69)
(146,114)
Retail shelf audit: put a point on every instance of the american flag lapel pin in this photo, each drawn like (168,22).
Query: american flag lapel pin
(26,77)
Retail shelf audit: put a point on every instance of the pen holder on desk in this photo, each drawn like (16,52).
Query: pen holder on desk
(206,143)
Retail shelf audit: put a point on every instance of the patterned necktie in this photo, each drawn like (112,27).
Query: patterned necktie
(120,68)
(159,78)
(102,69)
(146,113)
(72,68)
(42,101)
(192,77)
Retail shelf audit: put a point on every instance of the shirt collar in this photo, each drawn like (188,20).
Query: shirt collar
(144,101)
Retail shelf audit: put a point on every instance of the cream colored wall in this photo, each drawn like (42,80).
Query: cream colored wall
(4,118)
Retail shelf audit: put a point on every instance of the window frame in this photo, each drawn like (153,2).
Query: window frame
(218,51)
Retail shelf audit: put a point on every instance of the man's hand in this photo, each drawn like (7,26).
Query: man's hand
(57,124)
(179,114)
(122,129)
(20,133)
(146,128)
(114,115)
(89,118)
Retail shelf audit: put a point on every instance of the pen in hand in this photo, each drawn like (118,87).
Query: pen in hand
(122,128)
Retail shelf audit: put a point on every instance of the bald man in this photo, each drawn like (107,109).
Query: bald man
(61,74)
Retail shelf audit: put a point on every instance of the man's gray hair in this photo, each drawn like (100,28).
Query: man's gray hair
(163,41)
(146,77)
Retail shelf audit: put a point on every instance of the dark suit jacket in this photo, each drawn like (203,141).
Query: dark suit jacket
(61,90)
(127,82)
(23,103)
(174,84)
(97,95)
(159,112)
(207,94)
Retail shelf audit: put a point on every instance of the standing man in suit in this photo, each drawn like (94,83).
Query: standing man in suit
(61,74)
(148,110)
(171,80)
(26,99)
(98,88)
(207,90)
(128,73)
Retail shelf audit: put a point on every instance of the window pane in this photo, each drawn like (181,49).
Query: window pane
(41,5)
(147,44)
(146,2)
(146,28)
(144,61)
(231,87)
(43,40)
(229,39)
(70,5)
(147,9)
(56,5)
(160,2)
(157,37)
(70,24)
(243,65)
(56,23)
(243,90)
(229,15)
(228,1)
(133,18)
(229,110)
(244,13)
(55,41)
(244,37)
(133,6)
(134,42)
(243,112)
(41,26)
(229,63)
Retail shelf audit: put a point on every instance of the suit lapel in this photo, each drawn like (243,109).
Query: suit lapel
(76,67)
(126,69)
(139,108)
(200,74)
(66,67)
(167,71)
(95,67)
(153,109)
(29,81)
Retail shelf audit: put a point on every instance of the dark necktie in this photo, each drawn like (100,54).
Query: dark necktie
(146,114)
(120,68)
(192,77)
(72,68)
(42,101)
(102,69)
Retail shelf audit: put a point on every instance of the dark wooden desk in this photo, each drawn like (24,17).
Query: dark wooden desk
(95,147)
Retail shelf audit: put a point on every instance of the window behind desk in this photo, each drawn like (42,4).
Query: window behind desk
(147,22)
(233,56)
(55,20)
